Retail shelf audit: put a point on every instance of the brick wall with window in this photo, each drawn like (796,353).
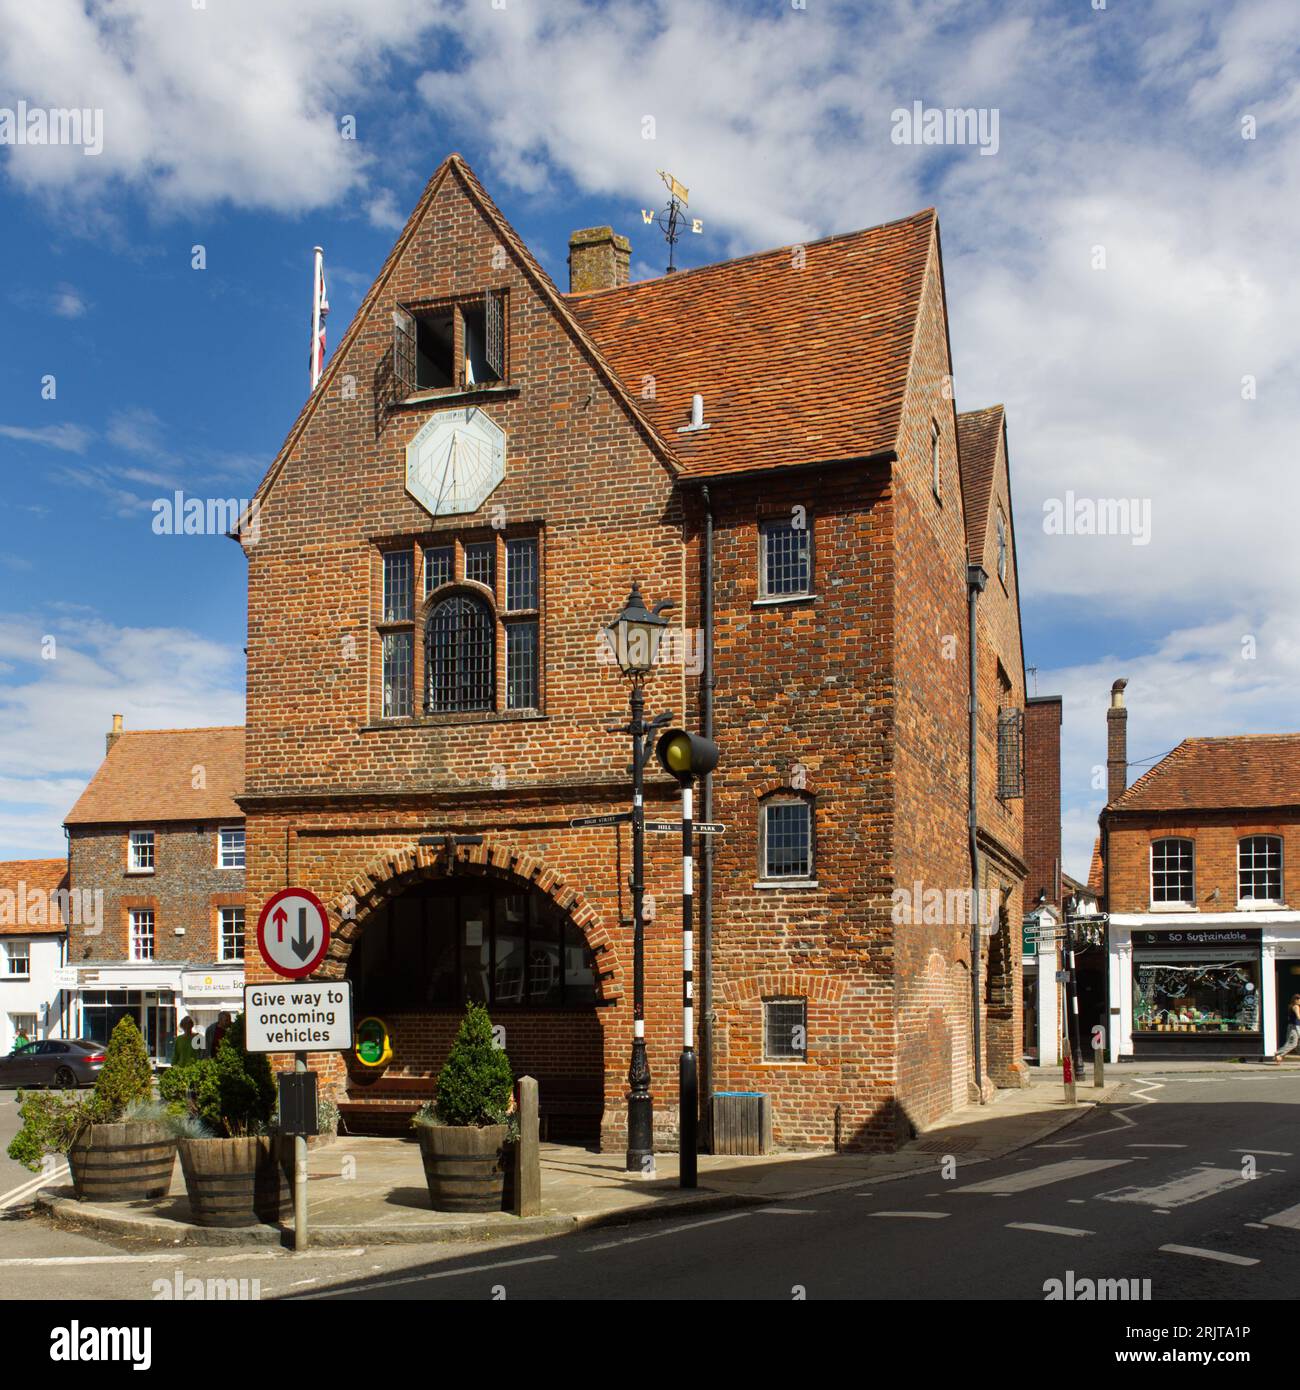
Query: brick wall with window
(1148,866)
(194,867)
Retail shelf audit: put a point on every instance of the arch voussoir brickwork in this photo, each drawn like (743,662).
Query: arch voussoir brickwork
(391,873)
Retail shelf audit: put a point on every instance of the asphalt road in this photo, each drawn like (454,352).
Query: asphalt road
(1158,1187)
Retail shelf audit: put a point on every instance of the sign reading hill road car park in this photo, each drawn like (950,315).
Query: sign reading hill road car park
(293,932)
(298,1016)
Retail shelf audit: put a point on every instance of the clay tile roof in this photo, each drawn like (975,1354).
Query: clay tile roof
(149,776)
(22,876)
(1096,871)
(796,365)
(1205,774)
(979,432)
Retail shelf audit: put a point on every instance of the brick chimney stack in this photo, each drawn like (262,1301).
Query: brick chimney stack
(599,259)
(114,734)
(1043,799)
(1116,744)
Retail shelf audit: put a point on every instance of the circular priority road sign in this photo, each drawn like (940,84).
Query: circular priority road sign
(293,932)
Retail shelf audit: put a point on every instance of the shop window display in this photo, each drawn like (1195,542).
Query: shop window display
(1210,997)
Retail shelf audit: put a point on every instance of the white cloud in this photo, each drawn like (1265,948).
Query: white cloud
(69,439)
(55,712)
(238,101)
(68,303)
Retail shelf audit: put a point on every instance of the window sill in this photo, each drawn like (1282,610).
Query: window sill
(782,600)
(17,979)
(139,873)
(1173,907)
(437,395)
(770,883)
(440,721)
(1261,905)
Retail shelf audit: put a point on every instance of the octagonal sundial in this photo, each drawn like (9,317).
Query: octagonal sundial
(455,460)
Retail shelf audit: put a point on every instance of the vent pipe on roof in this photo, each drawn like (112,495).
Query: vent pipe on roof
(697,415)
(114,734)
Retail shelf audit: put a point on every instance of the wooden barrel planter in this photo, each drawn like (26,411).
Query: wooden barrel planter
(464,1167)
(237,1182)
(129,1162)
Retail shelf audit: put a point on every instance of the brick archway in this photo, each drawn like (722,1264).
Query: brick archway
(391,873)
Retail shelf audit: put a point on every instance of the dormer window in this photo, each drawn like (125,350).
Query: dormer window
(450,347)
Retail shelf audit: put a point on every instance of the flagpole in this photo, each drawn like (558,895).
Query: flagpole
(317,271)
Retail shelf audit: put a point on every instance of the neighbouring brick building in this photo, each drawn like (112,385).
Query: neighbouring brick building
(158,833)
(1200,860)
(463,503)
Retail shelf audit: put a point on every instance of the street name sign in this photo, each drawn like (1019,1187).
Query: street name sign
(700,827)
(293,932)
(298,1016)
(618,818)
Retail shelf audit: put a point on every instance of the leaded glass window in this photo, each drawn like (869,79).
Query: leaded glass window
(458,656)
(785,560)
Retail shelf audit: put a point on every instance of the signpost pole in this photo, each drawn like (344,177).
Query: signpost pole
(299,1175)
(688,1101)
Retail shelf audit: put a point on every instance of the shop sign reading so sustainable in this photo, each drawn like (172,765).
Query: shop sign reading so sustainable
(1227,936)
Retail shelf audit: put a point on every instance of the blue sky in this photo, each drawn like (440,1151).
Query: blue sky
(1119,130)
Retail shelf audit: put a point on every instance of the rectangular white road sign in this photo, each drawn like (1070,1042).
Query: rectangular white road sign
(289,1016)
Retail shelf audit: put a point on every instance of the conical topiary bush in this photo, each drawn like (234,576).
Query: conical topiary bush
(476,1083)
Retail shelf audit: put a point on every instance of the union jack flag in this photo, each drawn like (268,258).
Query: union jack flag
(320,308)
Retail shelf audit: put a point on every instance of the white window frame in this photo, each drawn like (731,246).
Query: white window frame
(1244,902)
(11,948)
(221,934)
(135,935)
(221,848)
(800,880)
(793,596)
(1169,905)
(133,865)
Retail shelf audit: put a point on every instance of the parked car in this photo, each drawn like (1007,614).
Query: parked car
(61,1062)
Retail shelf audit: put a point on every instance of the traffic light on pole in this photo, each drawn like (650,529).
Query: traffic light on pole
(686,755)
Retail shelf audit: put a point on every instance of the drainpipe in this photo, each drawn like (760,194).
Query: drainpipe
(976,579)
(706,865)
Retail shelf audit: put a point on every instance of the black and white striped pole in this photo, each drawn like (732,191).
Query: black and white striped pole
(687,756)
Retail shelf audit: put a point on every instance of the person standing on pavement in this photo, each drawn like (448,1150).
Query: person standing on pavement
(22,1042)
(1292,1032)
(183,1052)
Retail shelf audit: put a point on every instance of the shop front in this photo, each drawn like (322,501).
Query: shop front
(1188,992)
(1041,1018)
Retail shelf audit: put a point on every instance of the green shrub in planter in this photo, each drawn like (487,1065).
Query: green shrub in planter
(476,1084)
(233,1093)
(52,1123)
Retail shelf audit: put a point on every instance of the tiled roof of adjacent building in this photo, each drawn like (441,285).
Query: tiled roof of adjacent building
(150,775)
(979,432)
(1096,871)
(21,876)
(1206,774)
(801,354)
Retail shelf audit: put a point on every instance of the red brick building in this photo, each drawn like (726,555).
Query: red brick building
(157,841)
(463,503)
(1200,860)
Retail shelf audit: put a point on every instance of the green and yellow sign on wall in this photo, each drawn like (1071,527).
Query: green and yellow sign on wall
(374,1048)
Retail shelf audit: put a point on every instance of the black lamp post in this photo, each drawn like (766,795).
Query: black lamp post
(687,756)
(636,634)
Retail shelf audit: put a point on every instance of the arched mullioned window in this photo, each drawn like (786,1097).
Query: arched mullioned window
(459,655)
(1259,869)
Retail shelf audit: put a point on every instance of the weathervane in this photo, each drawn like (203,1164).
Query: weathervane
(670,219)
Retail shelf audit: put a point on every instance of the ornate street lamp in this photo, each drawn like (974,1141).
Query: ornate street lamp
(635,636)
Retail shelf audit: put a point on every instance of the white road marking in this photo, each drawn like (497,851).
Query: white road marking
(437,1274)
(1288,1217)
(1157,1146)
(1076,1201)
(1268,1153)
(23,1191)
(671,1231)
(171,1257)
(919,1215)
(1255,1225)
(1192,1186)
(786,1211)
(1047,1230)
(1042,1176)
(1198,1253)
